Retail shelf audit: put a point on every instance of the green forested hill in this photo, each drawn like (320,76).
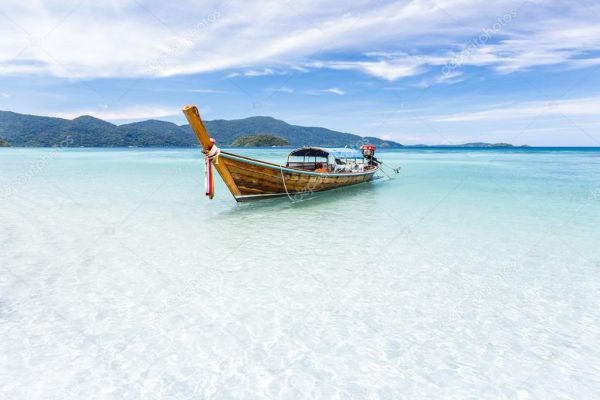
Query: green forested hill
(22,130)
(260,141)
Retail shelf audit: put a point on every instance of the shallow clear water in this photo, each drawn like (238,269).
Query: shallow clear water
(473,274)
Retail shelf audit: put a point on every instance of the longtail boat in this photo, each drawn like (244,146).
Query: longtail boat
(308,169)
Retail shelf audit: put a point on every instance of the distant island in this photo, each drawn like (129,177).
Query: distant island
(4,143)
(22,130)
(479,144)
(473,144)
(261,140)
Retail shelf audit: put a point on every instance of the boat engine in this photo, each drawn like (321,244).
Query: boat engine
(368,152)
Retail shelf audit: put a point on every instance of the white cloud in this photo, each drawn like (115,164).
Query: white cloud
(571,107)
(508,47)
(254,72)
(122,114)
(5,95)
(283,89)
(449,78)
(555,45)
(332,90)
(388,70)
(552,45)
(133,38)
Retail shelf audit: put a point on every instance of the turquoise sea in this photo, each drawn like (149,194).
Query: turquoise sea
(473,274)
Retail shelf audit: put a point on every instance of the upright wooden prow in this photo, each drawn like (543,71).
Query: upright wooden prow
(193,116)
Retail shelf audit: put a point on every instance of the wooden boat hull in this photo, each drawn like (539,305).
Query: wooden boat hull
(257,179)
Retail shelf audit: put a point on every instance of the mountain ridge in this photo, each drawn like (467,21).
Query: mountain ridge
(26,130)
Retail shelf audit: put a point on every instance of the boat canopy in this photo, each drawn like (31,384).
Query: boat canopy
(324,152)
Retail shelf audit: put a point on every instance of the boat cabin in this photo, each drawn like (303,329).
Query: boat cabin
(320,159)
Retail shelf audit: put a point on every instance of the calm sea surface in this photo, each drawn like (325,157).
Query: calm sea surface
(473,274)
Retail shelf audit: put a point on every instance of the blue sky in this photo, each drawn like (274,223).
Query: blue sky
(525,72)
